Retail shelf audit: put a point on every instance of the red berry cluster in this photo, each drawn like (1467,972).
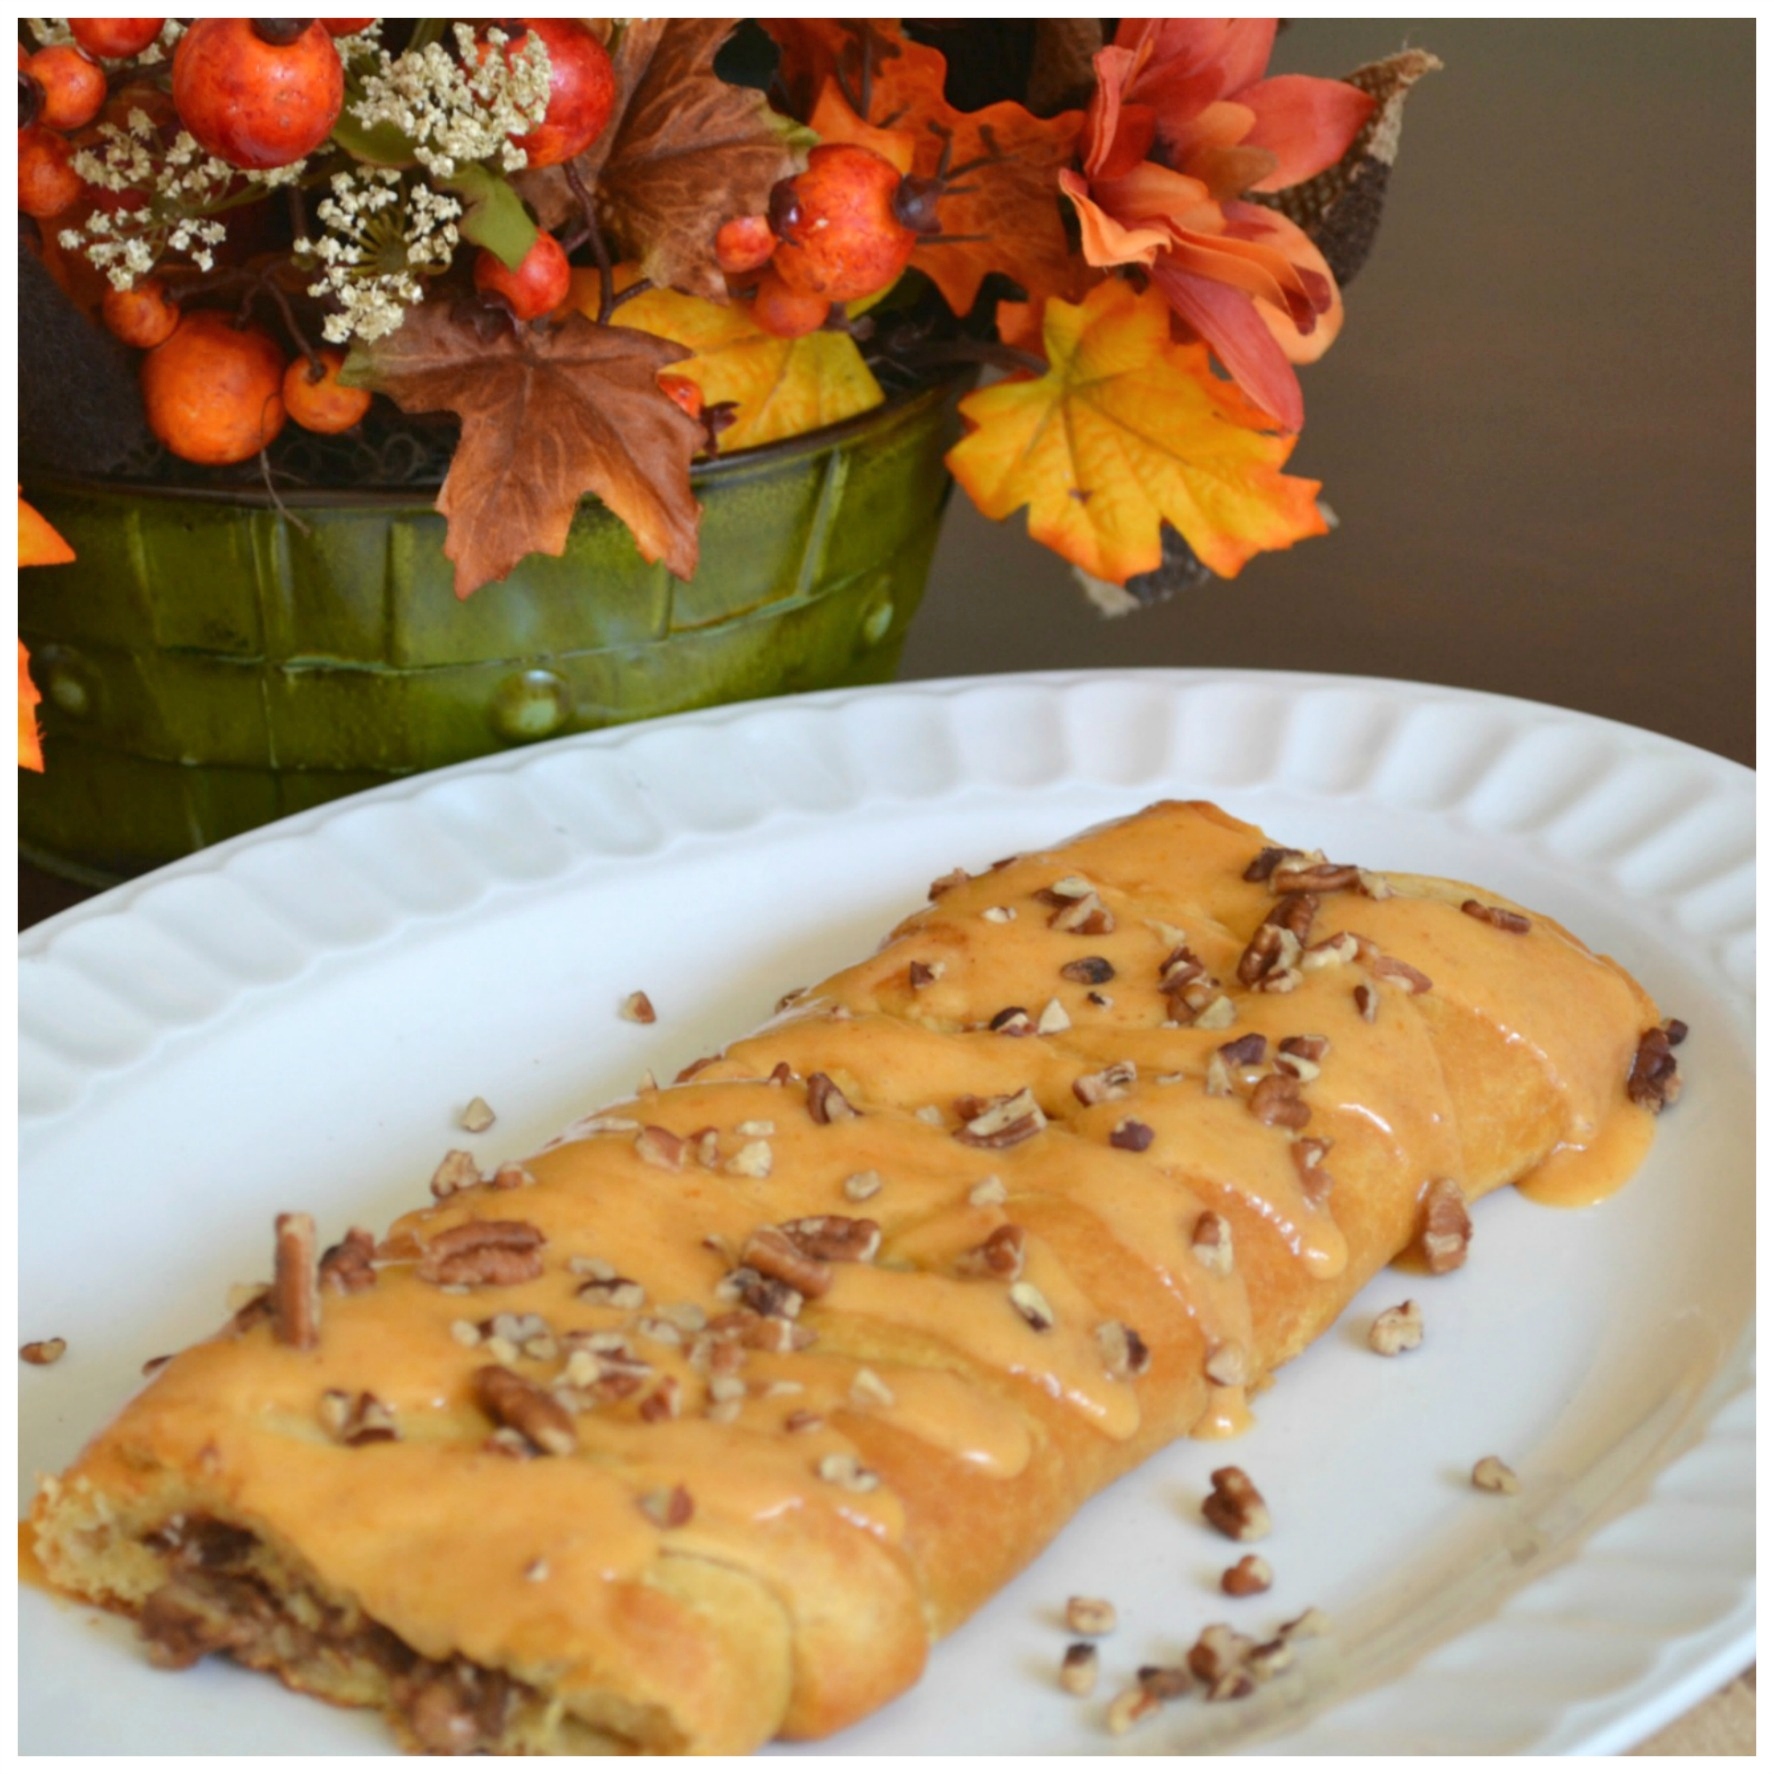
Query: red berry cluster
(842,230)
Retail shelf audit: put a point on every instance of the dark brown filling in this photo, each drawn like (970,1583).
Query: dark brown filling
(214,1602)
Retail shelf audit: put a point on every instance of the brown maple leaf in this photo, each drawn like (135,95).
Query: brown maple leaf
(686,153)
(547,417)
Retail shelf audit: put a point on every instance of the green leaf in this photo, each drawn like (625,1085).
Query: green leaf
(381,144)
(496,217)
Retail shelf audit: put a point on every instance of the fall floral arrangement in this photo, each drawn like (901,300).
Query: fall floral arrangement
(573,256)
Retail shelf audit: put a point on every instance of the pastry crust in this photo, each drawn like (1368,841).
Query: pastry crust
(773,1430)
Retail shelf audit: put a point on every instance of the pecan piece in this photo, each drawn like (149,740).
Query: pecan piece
(1124,1350)
(1090,1616)
(1315,1181)
(483,1253)
(1235,1506)
(1084,916)
(1109,1085)
(1132,1706)
(1130,1135)
(1367,1003)
(1250,1576)
(1271,950)
(637,1007)
(356,1420)
(346,1268)
(1211,1243)
(777,1256)
(847,1472)
(295,1291)
(457,1170)
(945,883)
(826,1103)
(1654,1082)
(1306,876)
(1164,1681)
(1000,1256)
(1227,1364)
(1400,973)
(924,973)
(45,1353)
(1012,1020)
(1497,917)
(835,1237)
(1247,1050)
(1276,1102)
(1078,1669)
(1092,970)
(1447,1227)
(1262,865)
(1218,1657)
(521,1405)
(1031,1305)
(667,1508)
(863,1185)
(1491,1474)
(660,1147)
(1003,1121)
(1397,1329)
(199,1612)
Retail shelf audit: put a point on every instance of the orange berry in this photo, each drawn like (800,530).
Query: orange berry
(213,392)
(538,286)
(683,392)
(143,316)
(788,313)
(258,92)
(346,27)
(840,234)
(581,90)
(744,244)
(323,404)
(47,184)
(73,86)
(116,39)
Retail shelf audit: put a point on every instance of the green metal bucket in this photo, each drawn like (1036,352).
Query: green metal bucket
(209,662)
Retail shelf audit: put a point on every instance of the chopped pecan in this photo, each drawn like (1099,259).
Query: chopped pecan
(1228,1364)
(1031,1304)
(703,1061)
(483,1253)
(45,1353)
(1092,970)
(1367,1003)
(803,1422)
(347,1266)
(1315,1181)
(1211,1243)
(660,1147)
(1262,865)
(1247,1050)
(521,1405)
(1219,1655)
(1132,1706)
(1676,1030)
(1400,973)
(1307,1047)
(1276,1102)
(457,1170)
(1181,967)
(478,1116)
(1314,1623)
(1124,1350)
(1012,1020)
(1497,917)
(1130,1135)
(1268,1661)
(615,1291)
(1396,1329)
(1085,916)
(1217,1080)
(1109,1085)
(1250,1576)
(1447,1227)
(295,1291)
(999,914)
(663,1403)
(924,973)
(835,1237)
(782,1073)
(1654,1082)
(512,1175)
(763,1294)
(1053,1019)
(1271,950)
(1219,1013)
(637,1007)
(1304,876)
(1164,1681)
(1000,1256)
(1236,1507)
(847,1472)
(454,1708)
(199,1612)
(945,883)
(1078,1669)
(863,1185)
(1335,951)
(1003,1121)
(777,1256)
(1491,1474)
(1090,1616)
(868,1388)
(988,1192)
(753,1159)
(667,1508)
(357,1420)
(826,1103)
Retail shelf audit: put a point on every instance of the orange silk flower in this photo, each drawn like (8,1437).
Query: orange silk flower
(1182,125)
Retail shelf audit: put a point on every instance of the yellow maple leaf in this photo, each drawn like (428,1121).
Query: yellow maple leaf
(39,545)
(1126,431)
(779,387)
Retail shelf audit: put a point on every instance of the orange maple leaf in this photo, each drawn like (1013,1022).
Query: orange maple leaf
(39,545)
(864,81)
(1126,431)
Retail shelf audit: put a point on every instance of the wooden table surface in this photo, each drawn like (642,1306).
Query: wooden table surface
(1537,429)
